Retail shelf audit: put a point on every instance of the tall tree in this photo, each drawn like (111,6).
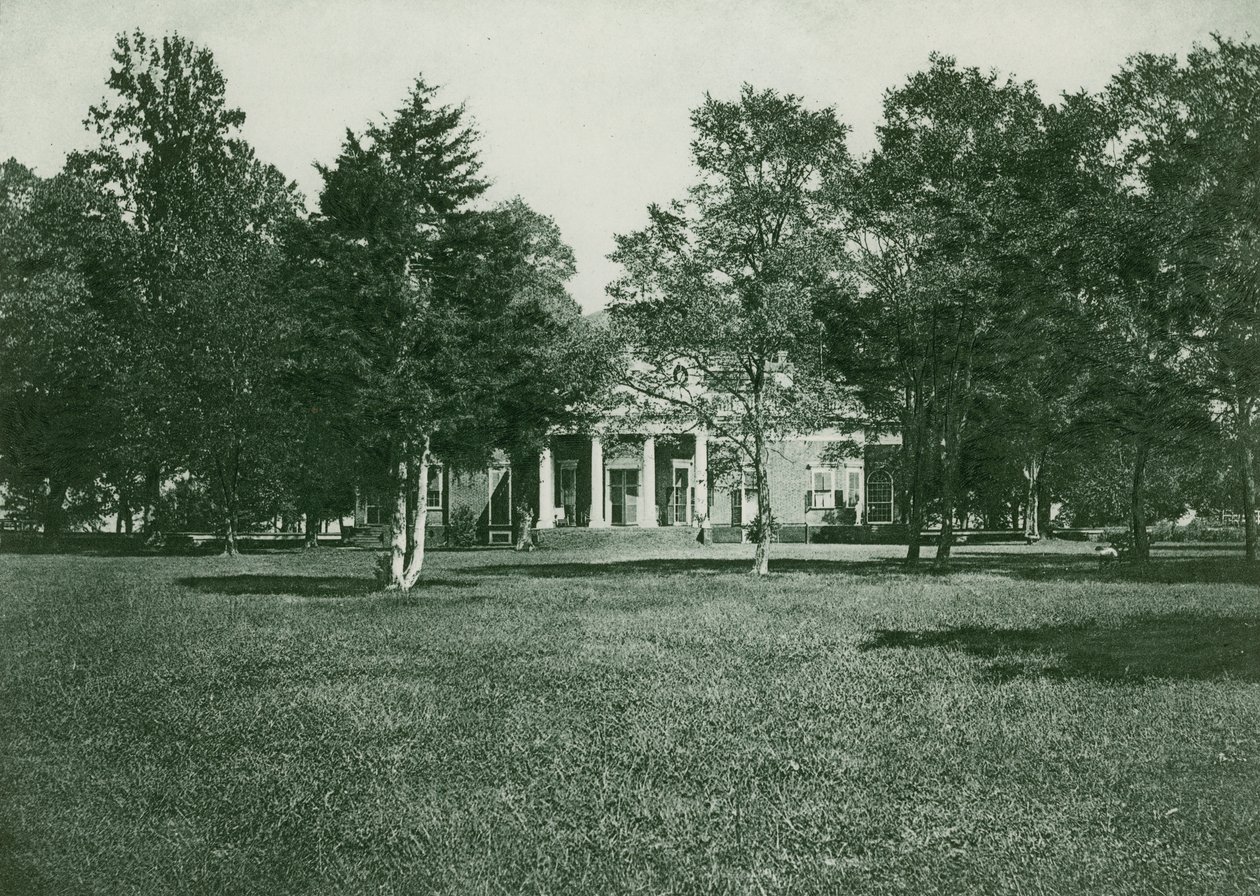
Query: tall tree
(544,365)
(54,347)
(1138,385)
(395,212)
(455,331)
(192,305)
(316,390)
(949,220)
(1191,131)
(716,300)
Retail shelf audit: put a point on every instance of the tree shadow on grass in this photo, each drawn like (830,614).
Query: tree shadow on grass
(1174,646)
(1218,570)
(300,586)
(681,566)
(16,875)
(1049,567)
(1039,566)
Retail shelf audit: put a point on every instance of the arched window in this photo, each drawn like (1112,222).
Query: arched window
(879,497)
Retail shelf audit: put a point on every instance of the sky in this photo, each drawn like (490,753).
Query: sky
(583,105)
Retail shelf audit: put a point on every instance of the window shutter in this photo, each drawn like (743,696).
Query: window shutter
(837,498)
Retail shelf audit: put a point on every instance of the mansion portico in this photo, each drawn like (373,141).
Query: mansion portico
(636,480)
(647,480)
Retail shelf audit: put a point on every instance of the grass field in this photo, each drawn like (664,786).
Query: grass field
(562,722)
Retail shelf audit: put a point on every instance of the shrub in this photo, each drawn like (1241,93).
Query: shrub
(1121,540)
(841,516)
(179,544)
(461,527)
(382,573)
(760,524)
(1196,530)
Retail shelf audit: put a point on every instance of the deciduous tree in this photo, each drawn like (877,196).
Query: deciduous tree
(716,300)
(1192,139)
(54,347)
(952,218)
(193,304)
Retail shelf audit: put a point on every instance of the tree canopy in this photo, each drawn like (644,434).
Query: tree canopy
(716,301)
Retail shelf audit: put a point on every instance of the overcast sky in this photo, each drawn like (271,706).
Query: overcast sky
(583,104)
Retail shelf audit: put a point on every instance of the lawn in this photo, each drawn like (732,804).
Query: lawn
(569,722)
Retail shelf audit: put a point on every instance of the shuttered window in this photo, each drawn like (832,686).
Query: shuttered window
(821,493)
(434,500)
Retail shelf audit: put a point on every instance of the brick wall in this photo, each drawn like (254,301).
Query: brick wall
(789,484)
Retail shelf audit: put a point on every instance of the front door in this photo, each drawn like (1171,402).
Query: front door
(680,497)
(751,505)
(623,497)
(500,496)
(568,493)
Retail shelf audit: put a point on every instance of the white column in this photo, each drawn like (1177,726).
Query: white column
(597,484)
(647,488)
(701,473)
(546,490)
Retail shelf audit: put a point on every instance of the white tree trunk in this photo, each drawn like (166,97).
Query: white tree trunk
(398,523)
(415,543)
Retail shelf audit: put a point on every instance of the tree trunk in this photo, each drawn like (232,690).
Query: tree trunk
(523,540)
(914,529)
(124,513)
(408,517)
(1043,503)
(229,487)
(950,462)
(1247,460)
(153,504)
(761,556)
(917,453)
(229,535)
(398,521)
(1141,546)
(419,516)
(310,525)
(945,542)
(54,510)
(1032,507)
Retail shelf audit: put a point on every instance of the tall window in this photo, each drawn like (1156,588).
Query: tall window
(822,484)
(435,487)
(680,496)
(623,496)
(855,487)
(745,502)
(879,497)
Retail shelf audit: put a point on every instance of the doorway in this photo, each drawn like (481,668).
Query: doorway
(681,494)
(623,497)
